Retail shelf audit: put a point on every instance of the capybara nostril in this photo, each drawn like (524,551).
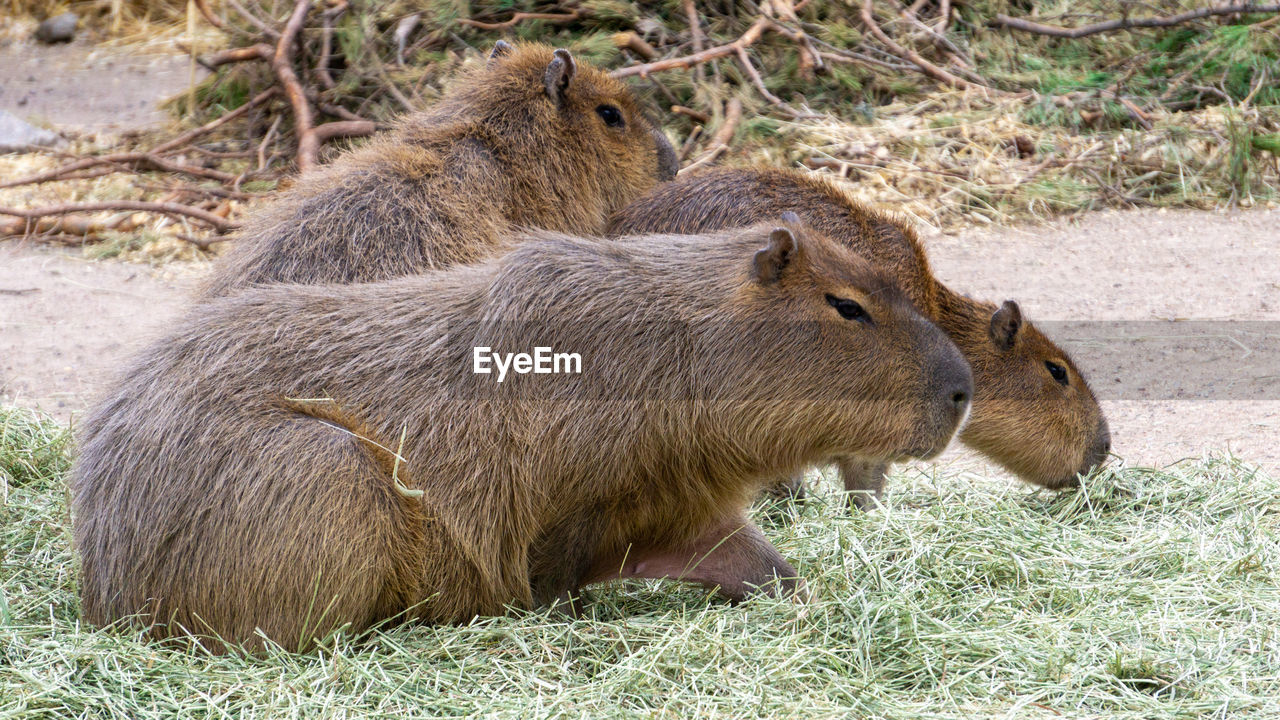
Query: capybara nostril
(957,383)
(1101,447)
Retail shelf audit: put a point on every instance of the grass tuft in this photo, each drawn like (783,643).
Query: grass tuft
(1151,594)
(32,447)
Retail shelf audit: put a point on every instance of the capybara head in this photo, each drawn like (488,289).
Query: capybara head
(574,117)
(840,340)
(1032,411)
(1019,370)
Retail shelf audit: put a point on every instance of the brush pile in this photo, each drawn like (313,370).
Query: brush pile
(986,110)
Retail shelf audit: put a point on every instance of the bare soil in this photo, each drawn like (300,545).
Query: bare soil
(90,88)
(67,323)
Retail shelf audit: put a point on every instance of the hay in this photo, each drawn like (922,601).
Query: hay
(1152,595)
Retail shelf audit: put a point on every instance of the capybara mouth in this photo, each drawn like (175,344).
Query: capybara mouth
(925,453)
(1076,479)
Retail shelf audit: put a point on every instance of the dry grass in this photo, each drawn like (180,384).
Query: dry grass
(945,158)
(949,160)
(1152,595)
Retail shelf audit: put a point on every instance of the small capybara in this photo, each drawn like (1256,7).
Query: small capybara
(532,139)
(299,458)
(1033,412)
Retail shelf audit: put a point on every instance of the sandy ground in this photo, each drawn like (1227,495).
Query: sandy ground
(67,323)
(89,88)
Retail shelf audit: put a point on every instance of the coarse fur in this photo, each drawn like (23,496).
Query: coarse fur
(518,142)
(1044,430)
(256,471)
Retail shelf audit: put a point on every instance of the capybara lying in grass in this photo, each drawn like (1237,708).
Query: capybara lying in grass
(533,139)
(1033,412)
(299,458)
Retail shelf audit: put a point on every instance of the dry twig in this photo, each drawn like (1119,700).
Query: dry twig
(724,135)
(557,18)
(928,68)
(1126,23)
(167,208)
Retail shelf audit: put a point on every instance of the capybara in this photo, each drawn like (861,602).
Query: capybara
(532,139)
(298,458)
(1033,412)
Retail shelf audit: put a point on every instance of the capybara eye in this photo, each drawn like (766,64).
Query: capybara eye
(611,116)
(1058,372)
(848,309)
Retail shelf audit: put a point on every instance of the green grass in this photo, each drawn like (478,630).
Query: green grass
(1152,595)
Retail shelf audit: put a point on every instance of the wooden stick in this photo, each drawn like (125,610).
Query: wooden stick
(214,20)
(282,66)
(695,30)
(557,18)
(212,61)
(144,158)
(636,44)
(928,68)
(253,19)
(749,37)
(696,115)
(190,135)
(167,208)
(1126,23)
(724,135)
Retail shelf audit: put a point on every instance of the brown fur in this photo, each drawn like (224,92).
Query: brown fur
(243,474)
(1022,418)
(499,151)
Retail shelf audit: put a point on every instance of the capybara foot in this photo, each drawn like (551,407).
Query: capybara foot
(733,556)
(790,488)
(863,481)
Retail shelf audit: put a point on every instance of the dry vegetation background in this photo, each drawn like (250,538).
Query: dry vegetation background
(1152,594)
(950,112)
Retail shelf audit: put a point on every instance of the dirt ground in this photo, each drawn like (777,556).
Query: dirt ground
(67,323)
(89,88)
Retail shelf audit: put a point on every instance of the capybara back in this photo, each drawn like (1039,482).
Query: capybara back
(532,139)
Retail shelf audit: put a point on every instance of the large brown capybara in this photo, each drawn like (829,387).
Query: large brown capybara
(299,458)
(1033,412)
(532,139)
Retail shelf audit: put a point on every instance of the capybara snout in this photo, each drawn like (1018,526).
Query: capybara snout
(668,163)
(1098,454)
(951,380)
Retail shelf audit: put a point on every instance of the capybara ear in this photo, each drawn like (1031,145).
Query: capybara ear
(1005,324)
(771,260)
(502,48)
(559,72)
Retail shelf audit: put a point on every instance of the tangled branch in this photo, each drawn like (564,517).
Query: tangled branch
(167,208)
(1127,23)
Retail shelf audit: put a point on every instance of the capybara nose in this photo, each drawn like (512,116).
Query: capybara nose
(957,384)
(1098,450)
(668,161)
(1101,445)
